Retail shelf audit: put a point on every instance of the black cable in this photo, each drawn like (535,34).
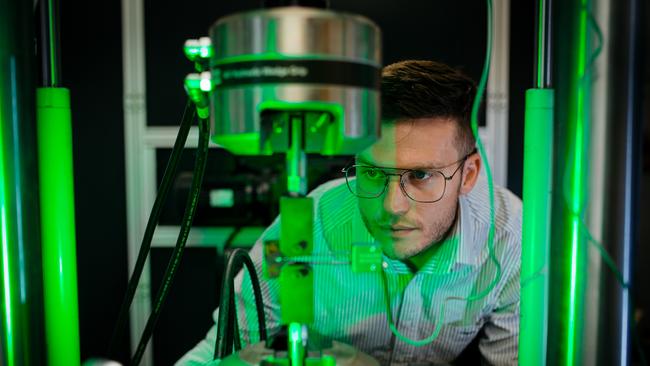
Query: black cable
(230,331)
(233,333)
(163,191)
(234,263)
(226,334)
(188,216)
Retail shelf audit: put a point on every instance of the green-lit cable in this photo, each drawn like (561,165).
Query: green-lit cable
(166,184)
(188,216)
(488,171)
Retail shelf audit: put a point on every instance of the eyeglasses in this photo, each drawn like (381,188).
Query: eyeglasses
(420,185)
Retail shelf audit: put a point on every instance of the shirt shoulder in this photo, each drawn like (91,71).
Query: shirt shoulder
(475,212)
(332,199)
(507,208)
(337,219)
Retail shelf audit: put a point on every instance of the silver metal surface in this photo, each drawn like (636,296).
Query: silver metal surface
(296,34)
(256,354)
(297,31)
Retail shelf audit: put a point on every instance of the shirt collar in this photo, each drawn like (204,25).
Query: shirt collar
(473,234)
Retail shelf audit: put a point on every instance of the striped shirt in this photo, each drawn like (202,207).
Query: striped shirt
(454,296)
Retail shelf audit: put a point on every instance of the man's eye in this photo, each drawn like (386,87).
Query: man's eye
(419,175)
(372,173)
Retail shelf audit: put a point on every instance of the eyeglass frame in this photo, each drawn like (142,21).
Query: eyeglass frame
(401,177)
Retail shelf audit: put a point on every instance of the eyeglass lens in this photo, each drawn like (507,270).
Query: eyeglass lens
(419,185)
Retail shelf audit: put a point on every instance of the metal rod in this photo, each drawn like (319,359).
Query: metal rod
(296,157)
(538,182)
(543,64)
(625,166)
(537,195)
(296,346)
(49,43)
(58,225)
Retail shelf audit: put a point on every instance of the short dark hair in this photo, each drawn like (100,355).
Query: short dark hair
(415,89)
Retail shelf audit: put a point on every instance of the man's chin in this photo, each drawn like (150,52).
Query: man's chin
(399,250)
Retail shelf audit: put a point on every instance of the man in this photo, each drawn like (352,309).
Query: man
(418,193)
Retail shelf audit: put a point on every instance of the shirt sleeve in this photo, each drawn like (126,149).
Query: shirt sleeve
(203,352)
(500,342)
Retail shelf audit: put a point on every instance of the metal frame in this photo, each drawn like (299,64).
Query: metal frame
(141,142)
(138,180)
(498,95)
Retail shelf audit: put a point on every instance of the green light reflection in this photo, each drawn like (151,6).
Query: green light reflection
(6,270)
(577,279)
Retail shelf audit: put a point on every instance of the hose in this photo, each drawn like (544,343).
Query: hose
(145,247)
(188,216)
(227,315)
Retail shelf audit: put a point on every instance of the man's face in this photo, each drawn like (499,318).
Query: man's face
(405,227)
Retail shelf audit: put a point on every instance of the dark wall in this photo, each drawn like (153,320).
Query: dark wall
(522,53)
(642,251)
(91,49)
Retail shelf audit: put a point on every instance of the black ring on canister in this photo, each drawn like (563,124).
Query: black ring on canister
(332,72)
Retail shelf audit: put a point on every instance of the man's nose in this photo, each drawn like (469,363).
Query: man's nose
(395,201)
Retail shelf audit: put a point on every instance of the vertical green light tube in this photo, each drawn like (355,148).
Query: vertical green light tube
(7,289)
(537,199)
(58,226)
(576,172)
(538,165)
(569,247)
(21,299)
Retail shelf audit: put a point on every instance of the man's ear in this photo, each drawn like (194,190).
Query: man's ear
(471,171)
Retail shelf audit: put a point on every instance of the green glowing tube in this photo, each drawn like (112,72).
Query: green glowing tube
(576,175)
(58,226)
(21,287)
(538,165)
(571,176)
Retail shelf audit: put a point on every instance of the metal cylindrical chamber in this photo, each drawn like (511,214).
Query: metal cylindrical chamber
(269,65)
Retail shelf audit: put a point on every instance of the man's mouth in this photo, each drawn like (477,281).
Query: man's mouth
(398,230)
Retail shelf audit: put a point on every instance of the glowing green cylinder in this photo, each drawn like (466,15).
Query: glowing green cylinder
(568,258)
(538,165)
(58,226)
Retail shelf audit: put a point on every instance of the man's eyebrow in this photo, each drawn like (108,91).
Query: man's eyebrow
(367,161)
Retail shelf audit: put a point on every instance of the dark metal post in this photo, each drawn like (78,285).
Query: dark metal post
(625,129)
(21,301)
(544,38)
(49,43)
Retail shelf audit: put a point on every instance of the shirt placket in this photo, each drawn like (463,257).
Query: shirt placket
(408,321)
